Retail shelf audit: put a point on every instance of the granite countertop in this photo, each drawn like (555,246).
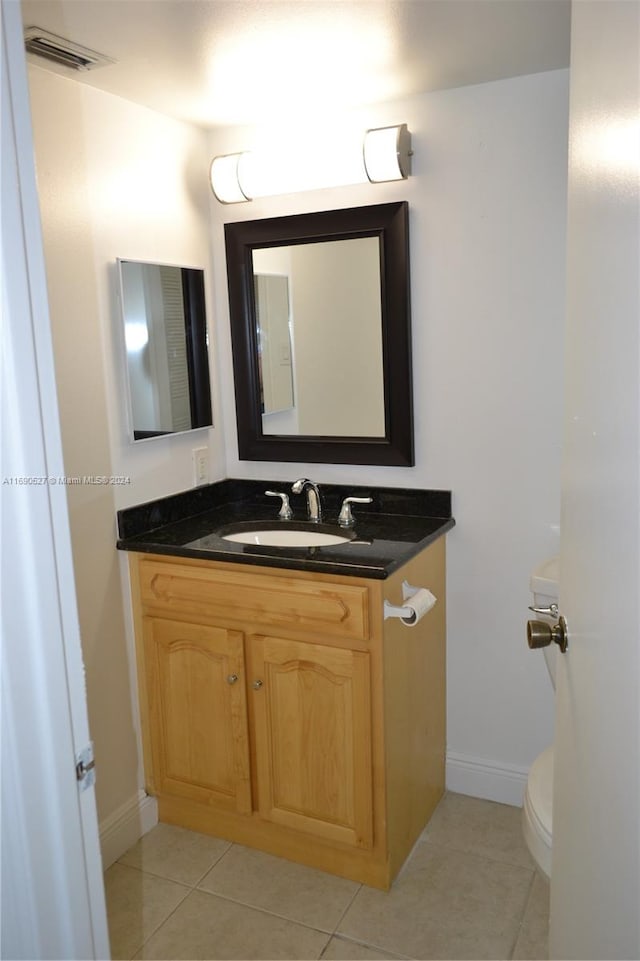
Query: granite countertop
(388,532)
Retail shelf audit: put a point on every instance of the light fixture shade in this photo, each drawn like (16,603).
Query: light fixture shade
(225,179)
(387,153)
(278,166)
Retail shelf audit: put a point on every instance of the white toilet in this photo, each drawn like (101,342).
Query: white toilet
(538,796)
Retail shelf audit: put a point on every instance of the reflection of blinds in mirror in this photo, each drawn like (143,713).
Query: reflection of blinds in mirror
(174,323)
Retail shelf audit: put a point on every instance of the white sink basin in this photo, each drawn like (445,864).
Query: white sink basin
(281,537)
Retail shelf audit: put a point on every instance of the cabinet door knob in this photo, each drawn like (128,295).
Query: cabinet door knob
(257,685)
(232,678)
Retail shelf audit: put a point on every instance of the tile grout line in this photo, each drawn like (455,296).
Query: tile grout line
(340,919)
(372,946)
(271,914)
(342,916)
(164,921)
(191,888)
(472,854)
(324,947)
(524,914)
(365,944)
(217,861)
(166,877)
(274,914)
(161,877)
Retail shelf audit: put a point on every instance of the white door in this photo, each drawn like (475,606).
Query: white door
(595,890)
(52,889)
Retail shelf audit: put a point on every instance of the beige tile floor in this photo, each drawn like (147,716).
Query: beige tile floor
(468,891)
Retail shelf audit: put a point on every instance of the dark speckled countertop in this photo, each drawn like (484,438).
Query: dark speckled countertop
(398,525)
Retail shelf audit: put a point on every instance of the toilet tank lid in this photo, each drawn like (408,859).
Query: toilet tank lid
(544,578)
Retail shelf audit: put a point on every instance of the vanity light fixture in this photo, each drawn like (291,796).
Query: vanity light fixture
(387,153)
(226,178)
(386,156)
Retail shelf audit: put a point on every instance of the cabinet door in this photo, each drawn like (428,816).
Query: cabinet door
(197,712)
(312,719)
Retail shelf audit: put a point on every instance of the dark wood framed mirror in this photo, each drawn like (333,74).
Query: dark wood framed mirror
(321,336)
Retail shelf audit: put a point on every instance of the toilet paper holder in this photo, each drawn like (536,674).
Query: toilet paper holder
(409,615)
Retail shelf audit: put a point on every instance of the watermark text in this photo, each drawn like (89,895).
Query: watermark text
(53,481)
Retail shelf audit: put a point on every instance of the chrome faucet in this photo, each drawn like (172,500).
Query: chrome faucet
(314,504)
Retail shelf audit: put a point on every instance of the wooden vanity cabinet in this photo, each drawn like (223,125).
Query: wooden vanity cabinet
(280,710)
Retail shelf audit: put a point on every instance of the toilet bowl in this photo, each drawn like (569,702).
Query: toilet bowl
(537,810)
(538,796)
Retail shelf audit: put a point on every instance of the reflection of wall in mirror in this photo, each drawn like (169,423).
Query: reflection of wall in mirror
(338,336)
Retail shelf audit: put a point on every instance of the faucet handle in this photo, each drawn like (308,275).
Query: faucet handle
(285,511)
(345,517)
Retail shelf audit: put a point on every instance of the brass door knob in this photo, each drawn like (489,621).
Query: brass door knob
(541,634)
(256,685)
(232,678)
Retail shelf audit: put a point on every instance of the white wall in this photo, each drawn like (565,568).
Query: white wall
(487,218)
(114,180)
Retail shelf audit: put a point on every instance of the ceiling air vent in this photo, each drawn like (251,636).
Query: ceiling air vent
(57,49)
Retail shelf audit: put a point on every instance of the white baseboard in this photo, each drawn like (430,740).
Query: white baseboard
(480,777)
(124,827)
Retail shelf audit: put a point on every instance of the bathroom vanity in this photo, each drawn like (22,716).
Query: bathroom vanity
(279,708)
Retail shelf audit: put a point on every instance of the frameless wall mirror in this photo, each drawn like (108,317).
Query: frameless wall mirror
(321,336)
(165,342)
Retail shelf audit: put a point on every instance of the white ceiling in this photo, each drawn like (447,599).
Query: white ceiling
(222,62)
